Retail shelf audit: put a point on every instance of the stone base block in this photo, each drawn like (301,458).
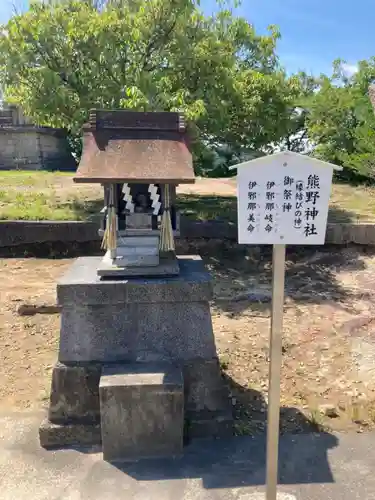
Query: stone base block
(56,435)
(142,411)
(208,410)
(135,319)
(74,400)
(75,394)
(142,266)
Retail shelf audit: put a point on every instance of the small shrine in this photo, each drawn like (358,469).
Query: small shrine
(139,158)
(137,369)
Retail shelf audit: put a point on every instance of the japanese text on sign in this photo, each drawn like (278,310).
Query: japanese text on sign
(283,205)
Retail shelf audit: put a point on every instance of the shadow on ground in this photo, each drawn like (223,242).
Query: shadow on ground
(226,463)
(242,275)
(208,207)
(86,209)
(337,215)
(311,273)
(241,461)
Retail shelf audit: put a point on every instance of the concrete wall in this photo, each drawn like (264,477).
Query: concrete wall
(27,147)
(18,233)
(34,148)
(12,115)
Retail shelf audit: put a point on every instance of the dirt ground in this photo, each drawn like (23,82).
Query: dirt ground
(328,376)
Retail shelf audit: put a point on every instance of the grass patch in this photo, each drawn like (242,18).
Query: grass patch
(29,179)
(204,207)
(36,195)
(352,203)
(15,205)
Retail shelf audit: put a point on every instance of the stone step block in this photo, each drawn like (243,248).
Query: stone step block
(134,250)
(132,259)
(141,241)
(142,411)
(137,260)
(64,435)
(75,394)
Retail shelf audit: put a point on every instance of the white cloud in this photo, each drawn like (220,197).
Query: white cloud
(349,69)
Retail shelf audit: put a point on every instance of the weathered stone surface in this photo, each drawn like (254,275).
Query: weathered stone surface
(208,410)
(137,332)
(75,397)
(34,148)
(55,435)
(135,319)
(147,268)
(138,320)
(21,232)
(75,394)
(142,411)
(81,285)
(204,386)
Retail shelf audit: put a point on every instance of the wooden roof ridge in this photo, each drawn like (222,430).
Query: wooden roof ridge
(124,119)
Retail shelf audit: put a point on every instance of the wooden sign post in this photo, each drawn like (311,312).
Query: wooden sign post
(282,200)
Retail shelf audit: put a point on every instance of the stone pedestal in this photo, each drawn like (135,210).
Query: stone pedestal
(142,411)
(127,321)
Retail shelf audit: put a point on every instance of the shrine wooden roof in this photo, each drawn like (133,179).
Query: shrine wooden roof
(131,146)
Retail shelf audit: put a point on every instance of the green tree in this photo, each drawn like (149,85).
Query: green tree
(61,58)
(293,133)
(341,121)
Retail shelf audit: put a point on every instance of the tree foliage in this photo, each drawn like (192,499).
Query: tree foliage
(61,58)
(293,122)
(341,121)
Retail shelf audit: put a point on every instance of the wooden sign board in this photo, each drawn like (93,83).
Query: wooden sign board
(283,199)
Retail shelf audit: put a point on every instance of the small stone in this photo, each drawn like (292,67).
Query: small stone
(329,410)
(262,296)
(32,309)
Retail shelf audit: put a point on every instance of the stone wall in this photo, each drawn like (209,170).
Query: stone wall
(6,117)
(29,233)
(28,147)
(12,115)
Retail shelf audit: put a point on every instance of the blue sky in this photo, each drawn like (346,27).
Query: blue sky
(313,33)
